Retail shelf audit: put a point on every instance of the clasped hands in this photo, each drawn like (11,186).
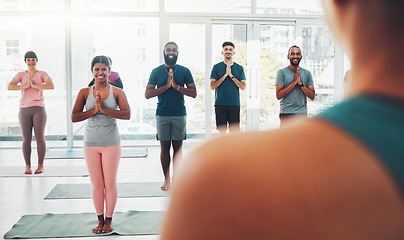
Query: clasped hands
(228,71)
(99,106)
(30,83)
(298,78)
(170,80)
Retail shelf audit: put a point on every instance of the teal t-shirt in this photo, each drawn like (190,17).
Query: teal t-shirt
(378,123)
(171,102)
(227,94)
(295,101)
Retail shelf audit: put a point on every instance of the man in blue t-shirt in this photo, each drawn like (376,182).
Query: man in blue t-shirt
(226,79)
(170,82)
(293,85)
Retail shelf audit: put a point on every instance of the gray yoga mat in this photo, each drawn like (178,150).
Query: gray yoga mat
(81,224)
(137,152)
(50,171)
(125,190)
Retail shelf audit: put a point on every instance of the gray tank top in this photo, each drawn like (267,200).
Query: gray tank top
(101,129)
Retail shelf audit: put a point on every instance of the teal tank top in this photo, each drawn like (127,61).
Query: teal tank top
(378,123)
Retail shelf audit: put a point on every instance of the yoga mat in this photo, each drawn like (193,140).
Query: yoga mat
(79,153)
(81,224)
(125,190)
(50,171)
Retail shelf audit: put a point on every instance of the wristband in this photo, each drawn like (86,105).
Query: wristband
(178,87)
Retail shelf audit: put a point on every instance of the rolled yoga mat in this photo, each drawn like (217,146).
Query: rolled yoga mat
(81,224)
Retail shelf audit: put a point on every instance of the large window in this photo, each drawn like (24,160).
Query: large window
(115,6)
(275,41)
(236,33)
(318,58)
(208,6)
(191,44)
(27,5)
(290,7)
(67,34)
(133,53)
(44,36)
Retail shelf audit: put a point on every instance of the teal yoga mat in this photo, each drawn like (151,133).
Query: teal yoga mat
(137,152)
(81,224)
(125,190)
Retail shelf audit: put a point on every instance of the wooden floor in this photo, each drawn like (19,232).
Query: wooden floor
(25,195)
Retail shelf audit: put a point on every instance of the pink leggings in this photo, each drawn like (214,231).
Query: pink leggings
(102,164)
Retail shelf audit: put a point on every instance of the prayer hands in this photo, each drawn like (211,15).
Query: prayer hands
(170,80)
(98,102)
(298,78)
(228,71)
(29,84)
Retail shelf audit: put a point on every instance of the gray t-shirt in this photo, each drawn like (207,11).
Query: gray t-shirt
(101,129)
(295,101)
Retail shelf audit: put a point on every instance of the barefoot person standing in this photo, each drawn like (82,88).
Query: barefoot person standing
(32,114)
(104,103)
(170,82)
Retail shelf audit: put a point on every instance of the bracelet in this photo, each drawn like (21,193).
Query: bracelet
(178,87)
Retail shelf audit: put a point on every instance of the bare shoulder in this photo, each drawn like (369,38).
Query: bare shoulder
(309,178)
(117,91)
(84,92)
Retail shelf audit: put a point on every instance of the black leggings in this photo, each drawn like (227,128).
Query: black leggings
(33,117)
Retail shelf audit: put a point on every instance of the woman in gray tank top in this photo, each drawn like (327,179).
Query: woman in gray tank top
(102,104)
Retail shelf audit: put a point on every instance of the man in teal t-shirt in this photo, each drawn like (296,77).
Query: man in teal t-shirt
(170,82)
(226,79)
(293,85)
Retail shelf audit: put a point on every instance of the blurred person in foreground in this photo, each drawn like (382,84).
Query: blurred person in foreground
(339,175)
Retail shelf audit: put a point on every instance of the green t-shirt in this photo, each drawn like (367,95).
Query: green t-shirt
(378,123)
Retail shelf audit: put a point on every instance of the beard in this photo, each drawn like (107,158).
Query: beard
(170,61)
(293,63)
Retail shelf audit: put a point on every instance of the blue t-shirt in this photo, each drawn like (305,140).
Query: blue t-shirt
(295,101)
(227,94)
(171,102)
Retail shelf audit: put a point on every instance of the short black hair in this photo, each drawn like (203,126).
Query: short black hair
(173,43)
(294,46)
(101,59)
(30,54)
(228,44)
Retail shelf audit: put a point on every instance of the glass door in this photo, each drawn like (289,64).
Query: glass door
(319,58)
(236,33)
(275,40)
(190,38)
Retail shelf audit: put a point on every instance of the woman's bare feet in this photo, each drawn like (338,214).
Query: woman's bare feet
(166,185)
(28,169)
(98,228)
(40,169)
(107,225)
